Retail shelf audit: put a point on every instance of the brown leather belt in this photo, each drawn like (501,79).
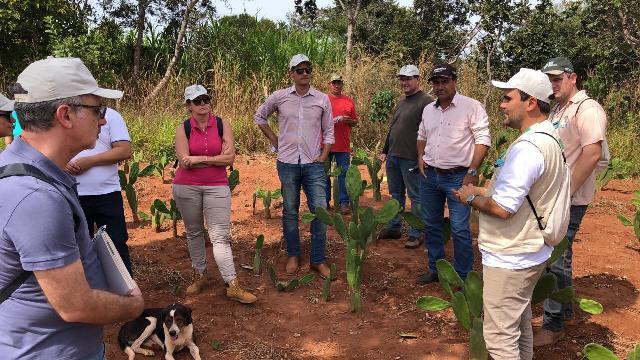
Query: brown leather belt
(453,170)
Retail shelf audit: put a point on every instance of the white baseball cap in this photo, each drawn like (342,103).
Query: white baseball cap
(297,59)
(409,70)
(193,91)
(6,104)
(532,82)
(58,78)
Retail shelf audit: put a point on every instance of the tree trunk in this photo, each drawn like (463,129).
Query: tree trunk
(494,44)
(176,53)
(350,26)
(137,47)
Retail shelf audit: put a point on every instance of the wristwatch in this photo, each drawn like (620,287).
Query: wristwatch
(470,198)
(472,172)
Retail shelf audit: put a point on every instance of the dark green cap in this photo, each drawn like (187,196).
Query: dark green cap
(557,66)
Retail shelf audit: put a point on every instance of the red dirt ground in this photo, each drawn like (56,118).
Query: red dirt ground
(299,325)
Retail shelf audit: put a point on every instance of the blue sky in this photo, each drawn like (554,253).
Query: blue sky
(272,9)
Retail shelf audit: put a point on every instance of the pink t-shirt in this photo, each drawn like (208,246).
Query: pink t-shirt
(203,143)
(577,130)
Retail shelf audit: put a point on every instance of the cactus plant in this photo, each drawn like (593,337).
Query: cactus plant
(128,178)
(289,285)
(159,212)
(158,167)
(334,173)
(595,351)
(374,165)
(257,258)
(636,220)
(326,286)
(234,179)
(357,235)
(266,197)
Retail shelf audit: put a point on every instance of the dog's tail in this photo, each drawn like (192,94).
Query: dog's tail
(122,338)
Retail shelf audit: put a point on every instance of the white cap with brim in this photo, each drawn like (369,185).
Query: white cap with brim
(532,82)
(193,91)
(6,104)
(58,78)
(409,70)
(298,59)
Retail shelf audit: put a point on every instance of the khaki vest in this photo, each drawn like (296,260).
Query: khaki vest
(520,233)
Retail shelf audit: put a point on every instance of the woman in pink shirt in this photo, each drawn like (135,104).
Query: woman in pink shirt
(201,190)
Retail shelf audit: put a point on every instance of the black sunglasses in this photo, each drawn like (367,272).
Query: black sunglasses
(337,82)
(201,101)
(300,71)
(100,110)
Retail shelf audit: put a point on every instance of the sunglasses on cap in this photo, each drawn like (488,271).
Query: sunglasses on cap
(201,101)
(300,71)
(100,110)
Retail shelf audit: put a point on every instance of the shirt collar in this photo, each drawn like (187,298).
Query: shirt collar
(579,96)
(194,123)
(454,101)
(312,91)
(33,157)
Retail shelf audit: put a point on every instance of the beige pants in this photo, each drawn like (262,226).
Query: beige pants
(507,311)
(213,203)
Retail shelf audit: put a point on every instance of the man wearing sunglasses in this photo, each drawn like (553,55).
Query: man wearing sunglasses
(61,302)
(6,121)
(303,144)
(96,171)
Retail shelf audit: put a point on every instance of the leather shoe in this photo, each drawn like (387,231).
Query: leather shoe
(322,269)
(427,278)
(545,337)
(292,265)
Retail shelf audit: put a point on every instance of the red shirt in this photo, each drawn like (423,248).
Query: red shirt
(342,106)
(203,143)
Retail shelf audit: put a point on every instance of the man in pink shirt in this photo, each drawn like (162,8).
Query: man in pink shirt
(303,145)
(581,124)
(453,139)
(344,117)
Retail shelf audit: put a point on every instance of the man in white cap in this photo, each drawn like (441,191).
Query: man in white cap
(303,145)
(453,139)
(96,171)
(513,248)
(400,152)
(57,300)
(6,121)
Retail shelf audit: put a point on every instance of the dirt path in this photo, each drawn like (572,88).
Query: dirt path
(299,325)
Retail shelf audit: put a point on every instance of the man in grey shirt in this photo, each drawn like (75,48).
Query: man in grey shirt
(400,152)
(59,311)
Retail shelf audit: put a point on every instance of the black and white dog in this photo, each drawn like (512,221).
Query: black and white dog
(171,328)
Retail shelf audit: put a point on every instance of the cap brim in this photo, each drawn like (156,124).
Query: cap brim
(437,76)
(553,72)
(502,85)
(108,93)
(8,106)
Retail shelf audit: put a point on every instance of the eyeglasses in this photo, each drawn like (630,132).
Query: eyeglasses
(100,110)
(7,116)
(201,101)
(336,82)
(301,71)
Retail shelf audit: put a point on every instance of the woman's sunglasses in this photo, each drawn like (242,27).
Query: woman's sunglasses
(201,101)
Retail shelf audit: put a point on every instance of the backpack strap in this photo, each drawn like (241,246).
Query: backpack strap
(187,128)
(21,169)
(533,208)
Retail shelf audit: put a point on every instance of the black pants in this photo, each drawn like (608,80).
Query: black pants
(108,209)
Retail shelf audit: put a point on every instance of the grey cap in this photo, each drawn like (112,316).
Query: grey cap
(58,78)
(408,70)
(193,91)
(298,59)
(6,104)
(557,66)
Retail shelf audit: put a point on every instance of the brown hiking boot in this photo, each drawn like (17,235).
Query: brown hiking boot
(235,292)
(545,337)
(198,283)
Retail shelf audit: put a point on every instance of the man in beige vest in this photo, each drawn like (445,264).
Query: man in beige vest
(512,246)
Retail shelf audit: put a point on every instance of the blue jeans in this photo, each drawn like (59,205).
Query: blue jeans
(100,355)
(312,179)
(435,188)
(400,180)
(554,312)
(342,159)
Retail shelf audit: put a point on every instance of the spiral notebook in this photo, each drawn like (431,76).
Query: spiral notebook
(119,280)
